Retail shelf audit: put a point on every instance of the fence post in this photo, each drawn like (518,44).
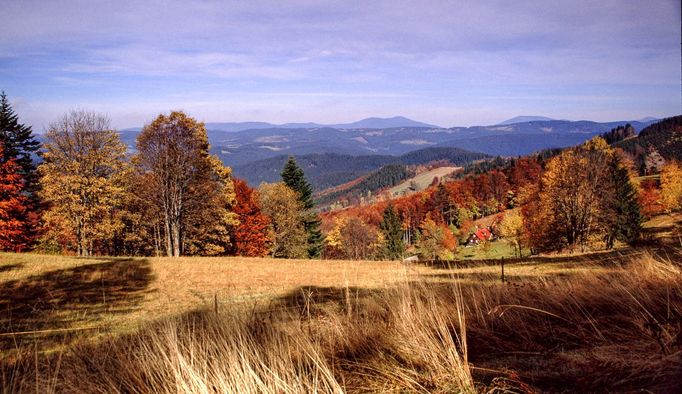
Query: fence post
(502,263)
(215,303)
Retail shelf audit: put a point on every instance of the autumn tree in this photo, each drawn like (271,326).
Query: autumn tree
(294,178)
(671,186)
(251,236)
(392,229)
(436,241)
(15,235)
(81,179)
(192,188)
(511,228)
(586,194)
(284,209)
(355,239)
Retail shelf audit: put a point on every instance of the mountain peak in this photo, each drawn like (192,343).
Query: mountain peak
(524,119)
(384,123)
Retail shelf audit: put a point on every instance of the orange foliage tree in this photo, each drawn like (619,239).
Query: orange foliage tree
(250,237)
(14,222)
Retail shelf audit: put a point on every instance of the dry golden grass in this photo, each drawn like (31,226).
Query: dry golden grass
(118,295)
(609,321)
(611,325)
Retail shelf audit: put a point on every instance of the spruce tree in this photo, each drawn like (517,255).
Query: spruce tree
(392,229)
(294,178)
(628,219)
(19,143)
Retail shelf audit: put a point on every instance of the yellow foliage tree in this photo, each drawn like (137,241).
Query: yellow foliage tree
(82,181)
(511,228)
(436,241)
(281,204)
(671,186)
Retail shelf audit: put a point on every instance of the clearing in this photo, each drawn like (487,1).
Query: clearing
(422,180)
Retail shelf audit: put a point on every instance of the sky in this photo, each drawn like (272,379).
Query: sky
(450,63)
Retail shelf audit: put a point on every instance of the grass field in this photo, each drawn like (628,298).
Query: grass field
(607,321)
(422,180)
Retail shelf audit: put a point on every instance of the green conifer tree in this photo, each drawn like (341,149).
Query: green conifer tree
(392,229)
(294,178)
(19,143)
(628,218)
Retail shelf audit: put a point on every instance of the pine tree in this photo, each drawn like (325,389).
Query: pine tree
(392,229)
(19,144)
(15,234)
(626,212)
(294,178)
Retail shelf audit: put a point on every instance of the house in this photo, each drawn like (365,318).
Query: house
(480,235)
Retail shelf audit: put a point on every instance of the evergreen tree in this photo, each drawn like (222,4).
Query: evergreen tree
(626,213)
(19,143)
(294,178)
(392,229)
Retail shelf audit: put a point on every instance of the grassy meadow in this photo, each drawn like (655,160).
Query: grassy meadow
(606,321)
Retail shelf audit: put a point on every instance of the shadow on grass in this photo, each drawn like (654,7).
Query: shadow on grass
(10,267)
(70,298)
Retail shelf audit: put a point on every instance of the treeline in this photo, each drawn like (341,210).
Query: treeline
(387,176)
(619,133)
(171,197)
(655,144)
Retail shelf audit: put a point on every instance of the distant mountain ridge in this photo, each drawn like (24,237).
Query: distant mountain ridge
(332,169)
(524,119)
(368,123)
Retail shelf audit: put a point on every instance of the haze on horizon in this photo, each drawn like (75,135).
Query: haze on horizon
(334,62)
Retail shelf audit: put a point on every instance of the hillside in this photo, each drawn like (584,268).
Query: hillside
(421,181)
(661,140)
(330,169)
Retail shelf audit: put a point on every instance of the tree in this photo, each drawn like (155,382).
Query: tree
(671,186)
(19,144)
(294,178)
(15,232)
(586,194)
(623,216)
(392,228)
(352,238)
(436,241)
(511,228)
(251,236)
(573,192)
(193,190)
(81,179)
(284,209)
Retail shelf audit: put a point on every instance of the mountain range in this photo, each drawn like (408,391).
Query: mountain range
(256,150)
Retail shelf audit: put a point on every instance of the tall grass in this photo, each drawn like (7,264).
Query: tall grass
(613,331)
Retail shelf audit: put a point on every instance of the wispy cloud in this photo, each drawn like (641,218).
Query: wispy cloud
(446,62)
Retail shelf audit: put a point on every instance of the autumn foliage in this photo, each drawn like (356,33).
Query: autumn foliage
(250,237)
(14,218)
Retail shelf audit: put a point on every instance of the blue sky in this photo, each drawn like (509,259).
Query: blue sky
(452,63)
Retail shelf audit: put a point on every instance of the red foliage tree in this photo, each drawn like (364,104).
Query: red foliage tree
(15,222)
(249,238)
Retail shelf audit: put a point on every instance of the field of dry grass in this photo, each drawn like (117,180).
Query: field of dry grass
(609,321)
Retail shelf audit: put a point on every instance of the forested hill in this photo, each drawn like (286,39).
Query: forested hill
(655,144)
(329,169)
